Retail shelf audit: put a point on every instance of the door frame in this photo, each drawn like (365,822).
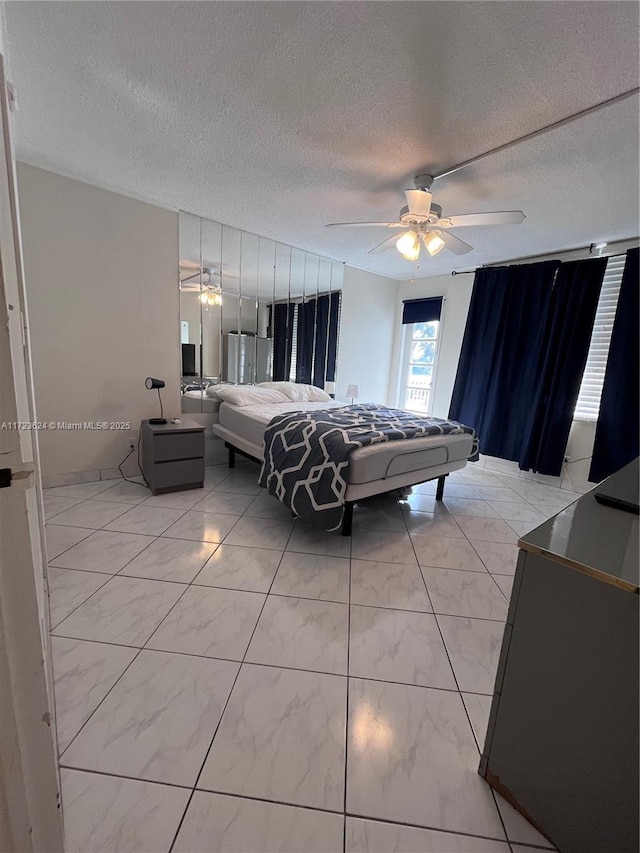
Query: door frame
(30,817)
(405,350)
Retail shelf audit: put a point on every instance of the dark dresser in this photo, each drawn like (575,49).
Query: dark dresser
(562,739)
(173,455)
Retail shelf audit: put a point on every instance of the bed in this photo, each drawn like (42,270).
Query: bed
(373,470)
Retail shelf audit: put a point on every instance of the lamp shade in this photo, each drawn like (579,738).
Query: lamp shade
(433,243)
(151,383)
(330,387)
(352,391)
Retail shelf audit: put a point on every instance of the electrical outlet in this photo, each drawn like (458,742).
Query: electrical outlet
(132,442)
(567,459)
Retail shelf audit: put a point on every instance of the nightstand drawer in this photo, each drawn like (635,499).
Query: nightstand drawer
(184,473)
(178,445)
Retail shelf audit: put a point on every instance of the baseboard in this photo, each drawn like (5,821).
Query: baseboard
(504,466)
(50,481)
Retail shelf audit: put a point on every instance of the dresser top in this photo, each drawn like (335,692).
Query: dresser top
(185,425)
(600,540)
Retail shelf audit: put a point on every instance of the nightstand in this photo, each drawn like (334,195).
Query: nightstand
(173,455)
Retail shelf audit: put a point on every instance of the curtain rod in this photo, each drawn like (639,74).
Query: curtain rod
(538,132)
(553,255)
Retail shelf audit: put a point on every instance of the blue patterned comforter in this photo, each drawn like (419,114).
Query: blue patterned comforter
(306,454)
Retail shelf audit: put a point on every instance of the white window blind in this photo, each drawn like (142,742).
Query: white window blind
(294,345)
(338,332)
(588,405)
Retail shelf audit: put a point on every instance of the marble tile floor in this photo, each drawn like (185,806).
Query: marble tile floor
(229,679)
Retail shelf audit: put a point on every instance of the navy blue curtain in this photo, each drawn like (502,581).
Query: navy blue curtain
(569,324)
(616,442)
(421,310)
(500,355)
(316,339)
(282,321)
(524,350)
(305,340)
(332,343)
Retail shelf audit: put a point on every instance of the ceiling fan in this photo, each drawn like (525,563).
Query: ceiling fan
(423,222)
(209,289)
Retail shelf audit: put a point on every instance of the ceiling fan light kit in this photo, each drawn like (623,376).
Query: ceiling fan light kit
(433,243)
(211,296)
(408,245)
(423,221)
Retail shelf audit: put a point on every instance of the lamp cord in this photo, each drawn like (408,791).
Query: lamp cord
(122,474)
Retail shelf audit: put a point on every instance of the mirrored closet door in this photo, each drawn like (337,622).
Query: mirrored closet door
(253,310)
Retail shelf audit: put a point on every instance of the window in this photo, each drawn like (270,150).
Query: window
(294,345)
(421,350)
(588,405)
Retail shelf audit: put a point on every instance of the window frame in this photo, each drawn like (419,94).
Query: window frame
(405,363)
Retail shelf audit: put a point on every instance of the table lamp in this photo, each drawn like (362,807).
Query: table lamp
(352,391)
(151,383)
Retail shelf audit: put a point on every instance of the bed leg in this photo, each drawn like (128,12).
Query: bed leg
(232,456)
(347,520)
(440,487)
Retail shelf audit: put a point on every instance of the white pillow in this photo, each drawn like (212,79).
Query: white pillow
(245,395)
(317,395)
(212,390)
(298,392)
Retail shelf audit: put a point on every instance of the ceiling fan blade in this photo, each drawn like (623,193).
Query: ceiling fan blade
(189,265)
(387,243)
(418,201)
(499,217)
(455,244)
(365,224)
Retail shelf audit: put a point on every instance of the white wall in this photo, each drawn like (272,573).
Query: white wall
(456,291)
(365,347)
(101,276)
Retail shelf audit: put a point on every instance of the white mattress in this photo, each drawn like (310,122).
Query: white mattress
(250,421)
(374,462)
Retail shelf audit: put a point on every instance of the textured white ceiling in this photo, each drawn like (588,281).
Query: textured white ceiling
(280,117)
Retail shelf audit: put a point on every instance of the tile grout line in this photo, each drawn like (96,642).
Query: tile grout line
(464,705)
(348,686)
(455,677)
(316,809)
(118,679)
(278,666)
(136,656)
(52,627)
(90,533)
(126,509)
(224,708)
(119,572)
(47,520)
(123,776)
(241,663)
(466,710)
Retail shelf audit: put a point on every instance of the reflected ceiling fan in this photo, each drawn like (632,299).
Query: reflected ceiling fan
(423,224)
(209,289)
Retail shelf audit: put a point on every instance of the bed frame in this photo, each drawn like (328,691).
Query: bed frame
(356,492)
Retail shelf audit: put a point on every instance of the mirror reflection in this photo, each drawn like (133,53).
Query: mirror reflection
(252,310)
